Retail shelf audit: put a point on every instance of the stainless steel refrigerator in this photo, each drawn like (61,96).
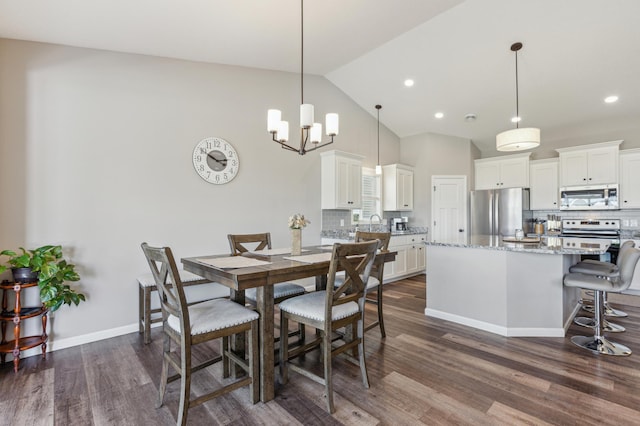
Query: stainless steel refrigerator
(499,212)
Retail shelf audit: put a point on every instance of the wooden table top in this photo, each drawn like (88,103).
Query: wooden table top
(279,270)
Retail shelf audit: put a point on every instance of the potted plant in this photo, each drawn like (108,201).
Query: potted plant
(47,265)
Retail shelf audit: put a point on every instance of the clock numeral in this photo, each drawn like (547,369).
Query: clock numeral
(201,167)
(216,143)
(203,151)
(217,178)
(230,154)
(234,163)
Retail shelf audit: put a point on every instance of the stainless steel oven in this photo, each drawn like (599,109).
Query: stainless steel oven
(592,233)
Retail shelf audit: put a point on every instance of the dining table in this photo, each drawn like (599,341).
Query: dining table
(261,270)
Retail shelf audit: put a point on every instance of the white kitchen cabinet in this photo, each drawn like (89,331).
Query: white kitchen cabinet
(397,187)
(341,180)
(411,258)
(629,179)
(634,288)
(543,180)
(589,164)
(507,171)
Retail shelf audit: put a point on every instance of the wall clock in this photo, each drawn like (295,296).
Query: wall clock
(215,160)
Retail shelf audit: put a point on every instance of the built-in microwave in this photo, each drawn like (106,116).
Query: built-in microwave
(593,197)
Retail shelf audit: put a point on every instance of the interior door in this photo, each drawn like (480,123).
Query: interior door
(449,209)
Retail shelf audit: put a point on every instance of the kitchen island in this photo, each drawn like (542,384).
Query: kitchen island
(511,289)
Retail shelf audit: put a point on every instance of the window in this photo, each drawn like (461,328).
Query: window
(371,198)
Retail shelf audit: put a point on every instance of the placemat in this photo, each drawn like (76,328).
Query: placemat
(273,252)
(233,262)
(311,258)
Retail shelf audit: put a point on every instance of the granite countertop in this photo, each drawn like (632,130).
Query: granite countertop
(547,245)
(343,233)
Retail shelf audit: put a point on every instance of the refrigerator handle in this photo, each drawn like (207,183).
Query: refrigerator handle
(491,227)
(496,213)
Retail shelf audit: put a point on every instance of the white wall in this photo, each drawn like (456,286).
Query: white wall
(95,154)
(434,154)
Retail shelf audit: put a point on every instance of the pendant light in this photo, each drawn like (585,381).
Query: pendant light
(378,166)
(309,130)
(518,139)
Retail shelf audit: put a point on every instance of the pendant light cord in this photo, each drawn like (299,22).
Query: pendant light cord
(301,52)
(517,100)
(378,108)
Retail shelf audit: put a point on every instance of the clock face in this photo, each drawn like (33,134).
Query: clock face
(215,160)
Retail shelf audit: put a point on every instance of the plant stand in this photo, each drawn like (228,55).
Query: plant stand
(16,316)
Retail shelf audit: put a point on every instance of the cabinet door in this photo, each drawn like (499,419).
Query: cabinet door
(343,170)
(487,175)
(400,264)
(543,179)
(602,165)
(422,259)
(355,185)
(573,168)
(412,258)
(514,173)
(405,189)
(629,181)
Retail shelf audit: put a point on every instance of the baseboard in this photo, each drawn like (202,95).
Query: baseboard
(496,329)
(69,342)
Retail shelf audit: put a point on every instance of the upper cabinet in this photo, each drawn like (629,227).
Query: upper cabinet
(341,180)
(589,164)
(507,171)
(629,179)
(397,187)
(543,179)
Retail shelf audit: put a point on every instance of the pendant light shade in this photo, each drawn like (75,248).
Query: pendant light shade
(518,139)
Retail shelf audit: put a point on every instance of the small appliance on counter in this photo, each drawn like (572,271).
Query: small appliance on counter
(554,224)
(399,224)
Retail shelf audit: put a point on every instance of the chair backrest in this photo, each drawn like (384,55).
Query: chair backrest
(384,238)
(237,242)
(627,266)
(624,247)
(170,289)
(355,276)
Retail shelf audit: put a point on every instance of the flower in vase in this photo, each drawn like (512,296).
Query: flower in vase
(297,221)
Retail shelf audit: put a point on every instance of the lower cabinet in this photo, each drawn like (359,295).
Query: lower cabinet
(411,258)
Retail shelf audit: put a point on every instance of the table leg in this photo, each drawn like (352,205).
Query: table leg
(238,343)
(264,305)
(321,282)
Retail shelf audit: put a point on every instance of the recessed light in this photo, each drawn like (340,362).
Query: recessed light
(438,115)
(611,99)
(470,117)
(515,119)
(408,82)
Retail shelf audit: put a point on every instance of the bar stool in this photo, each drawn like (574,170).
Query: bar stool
(597,343)
(606,270)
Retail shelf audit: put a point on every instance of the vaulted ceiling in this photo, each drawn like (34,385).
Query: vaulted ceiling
(576,52)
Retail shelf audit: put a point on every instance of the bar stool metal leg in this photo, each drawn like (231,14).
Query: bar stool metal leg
(597,343)
(608,310)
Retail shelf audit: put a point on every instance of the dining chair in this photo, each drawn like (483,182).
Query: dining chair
(188,325)
(329,310)
(241,243)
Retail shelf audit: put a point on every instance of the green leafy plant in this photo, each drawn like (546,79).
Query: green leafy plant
(53,272)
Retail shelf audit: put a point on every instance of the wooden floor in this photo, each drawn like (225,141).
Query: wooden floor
(426,371)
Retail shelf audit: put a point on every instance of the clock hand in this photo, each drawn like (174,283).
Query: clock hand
(223,162)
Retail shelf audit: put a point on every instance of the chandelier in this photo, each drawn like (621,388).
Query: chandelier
(310,131)
(518,139)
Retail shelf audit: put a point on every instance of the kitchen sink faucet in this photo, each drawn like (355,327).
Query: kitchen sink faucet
(371,220)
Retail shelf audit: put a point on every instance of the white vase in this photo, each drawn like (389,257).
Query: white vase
(296,242)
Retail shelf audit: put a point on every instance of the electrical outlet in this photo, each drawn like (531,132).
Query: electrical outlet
(341,222)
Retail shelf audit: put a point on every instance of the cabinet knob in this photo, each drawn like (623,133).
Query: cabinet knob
(584,178)
(625,201)
(460,230)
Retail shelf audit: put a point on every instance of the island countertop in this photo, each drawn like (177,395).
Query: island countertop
(547,245)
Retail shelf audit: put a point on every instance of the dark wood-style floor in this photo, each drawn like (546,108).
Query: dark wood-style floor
(426,371)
